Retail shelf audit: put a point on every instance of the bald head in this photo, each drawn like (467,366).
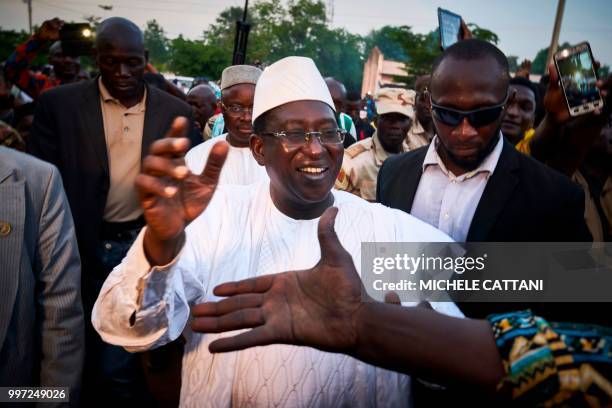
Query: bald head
(338,93)
(202,91)
(204,102)
(474,54)
(121,57)
(119,29)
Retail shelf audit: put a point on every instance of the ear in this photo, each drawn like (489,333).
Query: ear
(427,98)
(256,143)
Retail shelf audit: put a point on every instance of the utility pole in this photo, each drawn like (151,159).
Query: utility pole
(555,37)
(330,12)
(29,3)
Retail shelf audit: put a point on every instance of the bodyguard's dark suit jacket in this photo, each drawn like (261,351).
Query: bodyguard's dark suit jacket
(68,131)
(523,201)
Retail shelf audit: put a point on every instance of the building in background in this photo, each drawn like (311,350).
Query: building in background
(378,72)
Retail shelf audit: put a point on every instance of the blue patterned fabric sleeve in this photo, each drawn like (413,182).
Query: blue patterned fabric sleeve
(552,364)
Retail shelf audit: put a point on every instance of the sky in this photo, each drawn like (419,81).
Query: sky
(523,26)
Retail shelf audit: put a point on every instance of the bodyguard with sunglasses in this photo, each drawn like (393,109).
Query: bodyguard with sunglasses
(470,182)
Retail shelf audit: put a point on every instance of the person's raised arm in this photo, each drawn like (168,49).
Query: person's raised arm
(171,195)
(17,65)
(560,140)
(144,302)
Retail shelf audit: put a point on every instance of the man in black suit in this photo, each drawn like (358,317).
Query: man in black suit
(470,182)
(97,132)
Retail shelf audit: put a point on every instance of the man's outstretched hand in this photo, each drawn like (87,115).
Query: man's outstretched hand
(170,194)
(316,307)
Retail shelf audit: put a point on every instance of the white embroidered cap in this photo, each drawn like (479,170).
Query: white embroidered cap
(288,80)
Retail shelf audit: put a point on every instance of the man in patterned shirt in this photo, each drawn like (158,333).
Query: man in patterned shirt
(65,68)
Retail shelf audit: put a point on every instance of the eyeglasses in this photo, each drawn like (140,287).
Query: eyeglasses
(477,117)
(297,138)
(236,110)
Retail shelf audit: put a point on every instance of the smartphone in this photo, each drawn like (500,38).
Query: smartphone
(76,39)
(449,26)
(576,68)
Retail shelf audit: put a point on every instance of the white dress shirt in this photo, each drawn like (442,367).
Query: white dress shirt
(240,167)
(242,234)
(448,202)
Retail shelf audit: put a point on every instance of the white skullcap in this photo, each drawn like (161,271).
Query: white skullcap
(239,74)
(288,80)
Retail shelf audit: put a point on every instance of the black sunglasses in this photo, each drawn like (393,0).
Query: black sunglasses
(477,117)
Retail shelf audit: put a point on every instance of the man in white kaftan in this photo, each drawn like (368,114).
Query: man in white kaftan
(237,90)
(244,233)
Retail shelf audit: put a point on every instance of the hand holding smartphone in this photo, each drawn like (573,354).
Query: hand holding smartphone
(450,28)
(578,78)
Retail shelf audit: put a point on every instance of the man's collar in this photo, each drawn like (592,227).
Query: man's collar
(107,97)
(487,165)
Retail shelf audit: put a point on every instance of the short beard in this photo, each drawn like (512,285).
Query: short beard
(472,164)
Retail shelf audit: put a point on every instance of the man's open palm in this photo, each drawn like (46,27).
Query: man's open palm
(170,194)
(315,307)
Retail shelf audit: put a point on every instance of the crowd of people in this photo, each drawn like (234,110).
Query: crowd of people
(139,225)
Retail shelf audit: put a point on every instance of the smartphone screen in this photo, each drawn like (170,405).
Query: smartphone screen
(450,24)
(577,73)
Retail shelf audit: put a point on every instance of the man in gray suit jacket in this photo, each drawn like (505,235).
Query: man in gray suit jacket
(41,316)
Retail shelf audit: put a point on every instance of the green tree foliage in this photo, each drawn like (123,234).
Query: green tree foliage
(9,40)
(538,67)
(196,58)
(279,30)
(388,39)
(483,33)
(157,44)
(420,50)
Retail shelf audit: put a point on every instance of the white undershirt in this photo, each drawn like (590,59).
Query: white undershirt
(448,202)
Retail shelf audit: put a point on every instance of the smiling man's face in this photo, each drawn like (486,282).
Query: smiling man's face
(302,176)
(520,113)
